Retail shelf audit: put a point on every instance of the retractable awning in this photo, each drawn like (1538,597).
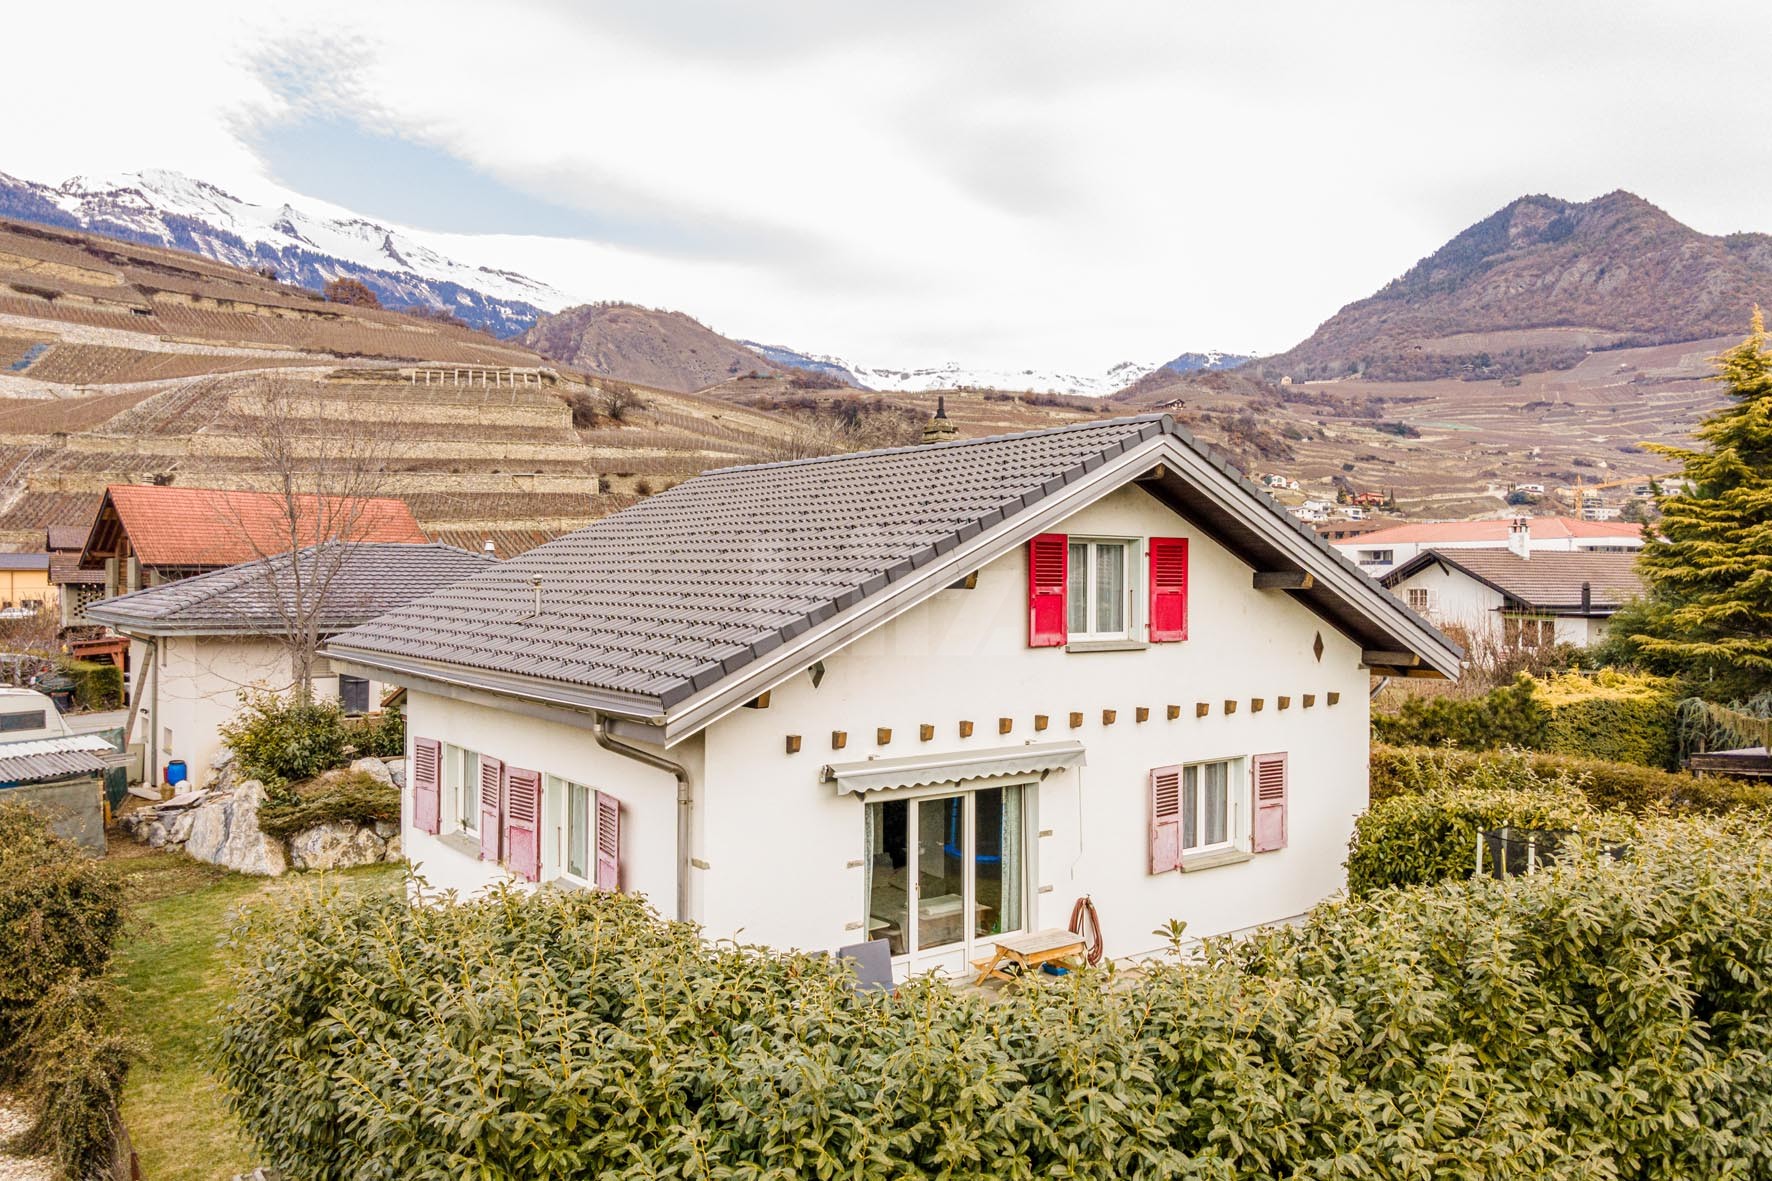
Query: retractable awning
(918,770)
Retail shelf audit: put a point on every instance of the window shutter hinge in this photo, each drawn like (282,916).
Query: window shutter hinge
(699,863)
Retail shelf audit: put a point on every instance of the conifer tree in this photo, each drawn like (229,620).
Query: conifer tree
(1709,566)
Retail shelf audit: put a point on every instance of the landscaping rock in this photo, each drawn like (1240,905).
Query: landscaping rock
(179,831)
(397,771)
(224,831)
(336,844)
(154,834)
(386,828)
(375,768)
(393,851)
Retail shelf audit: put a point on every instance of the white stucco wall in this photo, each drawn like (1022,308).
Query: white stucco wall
(1461,600)
(195,688)
(778,843)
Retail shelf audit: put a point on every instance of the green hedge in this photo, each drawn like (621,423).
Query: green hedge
(1609,715)
(61,1044)
(340,795)
(98,684)
(1612,787)
(382,735)
(1599,1020)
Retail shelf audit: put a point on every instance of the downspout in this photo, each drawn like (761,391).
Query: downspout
(600,731)
(147,670)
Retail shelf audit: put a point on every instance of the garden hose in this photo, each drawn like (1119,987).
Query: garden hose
(1085,922)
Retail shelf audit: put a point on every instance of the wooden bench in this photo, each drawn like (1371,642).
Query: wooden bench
(1029,952)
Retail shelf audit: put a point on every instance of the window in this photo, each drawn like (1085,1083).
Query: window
(1209,811)
(1377,557)
(1423,599)
(586,824)
(1098,593)
(353,694)
(579,806)
(1520,631)
(461,779)
(35,719)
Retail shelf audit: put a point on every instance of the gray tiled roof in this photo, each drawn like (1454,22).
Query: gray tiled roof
(362,580)
(684,588)
(1548,580)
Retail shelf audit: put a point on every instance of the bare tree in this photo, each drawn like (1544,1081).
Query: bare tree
(322,470)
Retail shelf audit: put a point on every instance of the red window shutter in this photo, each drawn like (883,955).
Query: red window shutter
(1165,819)
(427,804)
(1048,572)
(608,842)
(492,812)
(1168,582)
(1269,775)
(523,823)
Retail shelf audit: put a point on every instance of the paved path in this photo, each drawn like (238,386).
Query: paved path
(104,719)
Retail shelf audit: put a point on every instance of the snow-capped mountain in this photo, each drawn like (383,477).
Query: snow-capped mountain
(953,375)
(306,248)
(1210,359)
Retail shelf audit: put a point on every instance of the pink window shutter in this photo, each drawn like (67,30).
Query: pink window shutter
(523,823)
(608,842)
(427,810)
(492,782)
(1165,819)
(1048,575)
(1269,775)
(1168,589)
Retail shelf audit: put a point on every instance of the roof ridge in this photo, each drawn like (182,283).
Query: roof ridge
(927,448)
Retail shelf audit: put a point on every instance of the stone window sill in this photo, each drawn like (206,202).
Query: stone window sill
(1107,646)
(466,843)
(1205,861)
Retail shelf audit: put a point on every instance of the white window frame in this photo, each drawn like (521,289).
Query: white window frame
(1128,613)
(560,789)
(1430,599)
(456,786)
(1236,802)
(1378,557)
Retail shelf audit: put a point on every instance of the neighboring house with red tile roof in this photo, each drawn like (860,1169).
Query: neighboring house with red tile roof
(1510,599)
(1382,550)
(827,701)
(147,534)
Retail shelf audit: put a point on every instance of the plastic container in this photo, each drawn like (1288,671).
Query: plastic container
(176,772)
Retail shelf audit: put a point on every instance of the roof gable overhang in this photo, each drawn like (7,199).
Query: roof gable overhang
(1512,600)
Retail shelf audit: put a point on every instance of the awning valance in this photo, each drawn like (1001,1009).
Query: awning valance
(918,770)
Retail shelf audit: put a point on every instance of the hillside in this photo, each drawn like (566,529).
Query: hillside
(1536,285)
(666,350)
(161,208)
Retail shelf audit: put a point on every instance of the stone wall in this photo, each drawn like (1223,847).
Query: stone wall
(220,825)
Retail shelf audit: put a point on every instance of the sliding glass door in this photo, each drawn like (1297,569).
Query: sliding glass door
(945,874)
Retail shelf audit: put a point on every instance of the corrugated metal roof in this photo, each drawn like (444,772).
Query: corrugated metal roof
(39,759)
(351,582)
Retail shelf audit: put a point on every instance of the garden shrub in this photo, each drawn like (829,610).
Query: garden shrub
(1509,716)
(356,796)
(278,740)
(1597,1020)
(1614,787)
(98,684)
(1611,715)
(73,1082)
(382,735)
(1425,837)
(59,912)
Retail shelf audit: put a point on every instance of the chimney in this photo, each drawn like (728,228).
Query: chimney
(941,428)
(1587,598)
(489,549)
(1519,538)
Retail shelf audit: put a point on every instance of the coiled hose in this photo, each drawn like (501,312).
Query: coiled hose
(1085,922)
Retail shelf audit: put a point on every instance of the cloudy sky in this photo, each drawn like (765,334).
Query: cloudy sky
(1057,185)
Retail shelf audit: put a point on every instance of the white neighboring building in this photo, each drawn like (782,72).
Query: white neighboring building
(1511,600)
(207,640)
(1382,550)
(931,695)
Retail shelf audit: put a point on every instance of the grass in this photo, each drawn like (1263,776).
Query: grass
(171,966)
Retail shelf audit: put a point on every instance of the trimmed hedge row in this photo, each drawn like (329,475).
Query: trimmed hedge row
(1619,787)
(1599,1020)
(339,795)
(1610,715)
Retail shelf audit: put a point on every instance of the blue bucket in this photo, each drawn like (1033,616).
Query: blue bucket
(175,772)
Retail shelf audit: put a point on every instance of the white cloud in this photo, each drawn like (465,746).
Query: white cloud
(1006,184)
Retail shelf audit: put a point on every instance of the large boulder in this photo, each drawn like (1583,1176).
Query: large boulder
(224,831)
(397,770)
(336,844)
(374,768)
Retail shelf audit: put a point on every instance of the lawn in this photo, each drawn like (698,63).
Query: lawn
(171,967)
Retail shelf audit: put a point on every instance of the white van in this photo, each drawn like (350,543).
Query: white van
(27,714)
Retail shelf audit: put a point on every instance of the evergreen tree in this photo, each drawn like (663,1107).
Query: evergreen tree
(1709,568)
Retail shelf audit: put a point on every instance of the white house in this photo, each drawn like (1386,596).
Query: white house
(206,640)
(1513,599)
(930,694)
(1381,550)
